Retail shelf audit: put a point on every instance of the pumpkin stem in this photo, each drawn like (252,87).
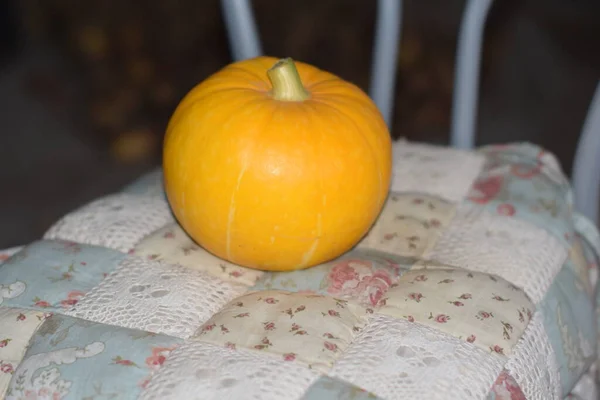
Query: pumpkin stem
(286,82)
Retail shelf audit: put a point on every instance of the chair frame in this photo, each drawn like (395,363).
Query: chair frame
(245,43)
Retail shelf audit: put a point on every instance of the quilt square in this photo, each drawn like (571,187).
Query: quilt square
(156,297)
(70,358)
(533,364)
(17,326)
(521,253)
(172,245)
(569,321)
(397,359)
(52,275)
(312,329)
(150,184)
(5,254)
(435,170)
(118,221)
(409,224)
(479,308)
(525,182)
(330,388)
(202,371)
(361,275)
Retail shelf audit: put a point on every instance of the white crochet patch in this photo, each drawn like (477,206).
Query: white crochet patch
(440,171)
(204,371)
(156,297)
(522,254)
(397,359)
(533,363)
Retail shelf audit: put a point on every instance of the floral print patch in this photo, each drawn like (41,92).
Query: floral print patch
(361,275)
(581,265)
(568,312)
(52,275)
(312,329)
(524,181)
(409,224)
(73,358)
(17,326)
(480,308)
(7,253)
(171,244)
(506,388)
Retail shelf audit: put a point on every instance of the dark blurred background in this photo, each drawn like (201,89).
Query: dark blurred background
(86,88)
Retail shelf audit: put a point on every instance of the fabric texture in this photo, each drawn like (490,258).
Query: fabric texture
(477,281)
(18,325)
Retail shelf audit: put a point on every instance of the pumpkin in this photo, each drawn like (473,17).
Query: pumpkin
(276,165)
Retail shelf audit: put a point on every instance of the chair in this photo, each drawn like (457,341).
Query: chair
(245,43)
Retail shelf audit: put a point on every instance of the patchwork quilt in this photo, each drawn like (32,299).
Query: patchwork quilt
(478,281)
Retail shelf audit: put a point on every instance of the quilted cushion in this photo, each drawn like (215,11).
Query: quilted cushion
(478,281)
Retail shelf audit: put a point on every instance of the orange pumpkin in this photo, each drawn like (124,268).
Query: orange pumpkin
(276,165)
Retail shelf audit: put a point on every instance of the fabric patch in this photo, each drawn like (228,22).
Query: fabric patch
(523,182)
(589,232)
(150,184)
(199,370)
(533,363)
(69,358)
(397,359)
(117,221)
(155,297)
(7,253)
(585,389)
(505,388)
(52,275)
(580,265)
(569,321)
(435,170)
(522,254)
(361,275)
(174,246)
(479,308)
(18,326)
(409,224)
(312,329)
(327,388)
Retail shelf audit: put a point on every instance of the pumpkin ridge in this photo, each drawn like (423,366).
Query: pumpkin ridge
(362,136)
(319,182)
(231,216)
(191,101)
(350,100)
(350,92)
(246,71)
(316,85)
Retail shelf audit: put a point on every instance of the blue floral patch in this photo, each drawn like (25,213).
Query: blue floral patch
(70,358)
(51,275)
(523,181)
(150,184)
(361,275)
(570,323)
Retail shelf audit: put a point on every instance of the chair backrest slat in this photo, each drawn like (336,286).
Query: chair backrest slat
(386,48)
(586,167)
(241,29)
(466,74)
